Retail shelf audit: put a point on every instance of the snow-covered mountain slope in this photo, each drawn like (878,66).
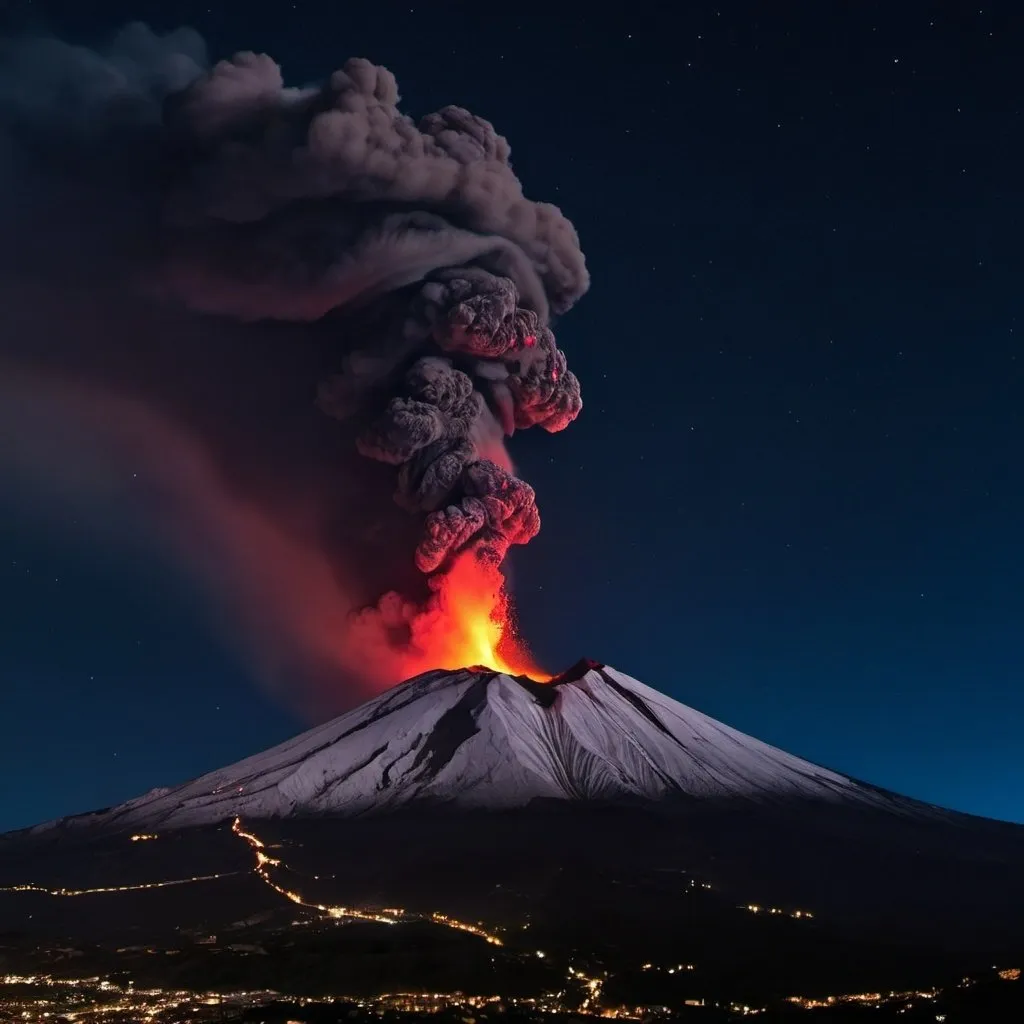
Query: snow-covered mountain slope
(478,739)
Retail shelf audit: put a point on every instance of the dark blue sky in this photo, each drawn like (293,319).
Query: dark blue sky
(794,497)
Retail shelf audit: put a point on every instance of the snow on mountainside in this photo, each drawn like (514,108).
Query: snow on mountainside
(479,739)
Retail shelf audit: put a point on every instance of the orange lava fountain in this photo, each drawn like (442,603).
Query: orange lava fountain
(478,624)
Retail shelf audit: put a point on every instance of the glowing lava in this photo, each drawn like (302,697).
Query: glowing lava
(478,627)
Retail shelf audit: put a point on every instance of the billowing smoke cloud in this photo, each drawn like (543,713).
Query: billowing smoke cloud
(238,258)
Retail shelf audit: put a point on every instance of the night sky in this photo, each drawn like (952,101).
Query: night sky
(793,499)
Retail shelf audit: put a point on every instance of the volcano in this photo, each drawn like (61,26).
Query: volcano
(477,739)
(590,813)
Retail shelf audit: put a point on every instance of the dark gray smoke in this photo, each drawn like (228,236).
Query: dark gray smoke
(200,237)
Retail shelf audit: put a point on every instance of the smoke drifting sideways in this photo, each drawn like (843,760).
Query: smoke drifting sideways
(306,319)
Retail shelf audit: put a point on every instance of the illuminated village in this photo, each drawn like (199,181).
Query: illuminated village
(41,997)
(62,994)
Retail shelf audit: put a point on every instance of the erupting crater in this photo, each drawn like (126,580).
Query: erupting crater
(475,626)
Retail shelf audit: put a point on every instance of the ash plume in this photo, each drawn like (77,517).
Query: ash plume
(346,310)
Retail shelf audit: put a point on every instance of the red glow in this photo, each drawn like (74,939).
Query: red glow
(271,585)
(474,624)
